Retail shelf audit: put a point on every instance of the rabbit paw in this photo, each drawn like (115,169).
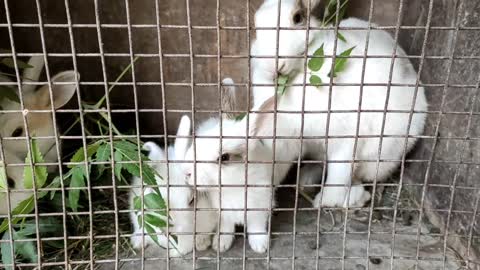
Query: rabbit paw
(136,242)
(203,242)
(224,244)
(336,197)
(258,243)
(174,253)
(287,66)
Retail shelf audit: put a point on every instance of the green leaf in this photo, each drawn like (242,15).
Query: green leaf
(315,80)
(315,64)
(340,63)
(6,250)
(330,13)
(118,157)
(154,201)
(3,177)
(79,156)
(40,171)
(341,37)
(9,93)
(156,209)
(9,63)
(27,250)
(126,146)
(282,84)
(155,220)
(240,117)
(151,232)
(102,155)
(24,207)
(77,181)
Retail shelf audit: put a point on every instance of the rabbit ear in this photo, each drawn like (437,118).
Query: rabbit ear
(155,152)
(62,93)
(259,124)
(228,97)
(33,73)
(181,144)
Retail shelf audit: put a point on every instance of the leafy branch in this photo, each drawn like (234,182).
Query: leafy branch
(90,163)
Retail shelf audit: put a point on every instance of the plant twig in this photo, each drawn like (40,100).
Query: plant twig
(100,102)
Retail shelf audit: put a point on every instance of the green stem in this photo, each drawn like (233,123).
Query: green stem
(325,22)
(115,130)
(100,102)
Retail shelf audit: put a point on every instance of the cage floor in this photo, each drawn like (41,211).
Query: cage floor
(335,243)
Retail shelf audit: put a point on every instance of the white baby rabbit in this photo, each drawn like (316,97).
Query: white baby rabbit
(179,198)
(233,198)
(40,124)
(343,124)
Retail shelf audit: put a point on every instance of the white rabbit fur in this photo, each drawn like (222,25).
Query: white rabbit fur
(265,45)
(179,198)
(39,124)
(258,198)
(341,124)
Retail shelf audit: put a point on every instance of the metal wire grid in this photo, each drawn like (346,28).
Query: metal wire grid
(219,257)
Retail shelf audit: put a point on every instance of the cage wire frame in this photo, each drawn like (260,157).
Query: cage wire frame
(162,84)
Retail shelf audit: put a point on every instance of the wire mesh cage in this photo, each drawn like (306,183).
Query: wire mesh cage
(255,134)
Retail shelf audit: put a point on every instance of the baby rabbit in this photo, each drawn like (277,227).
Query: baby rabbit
(179,198)
(228,156)
(377,94)
(40,124)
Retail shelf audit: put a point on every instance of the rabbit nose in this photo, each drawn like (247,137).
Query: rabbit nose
(188,175)
(11,183)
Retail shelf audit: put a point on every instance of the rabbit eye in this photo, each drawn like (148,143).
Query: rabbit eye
(17,132)
(297,18)
(11,183)
(225,157)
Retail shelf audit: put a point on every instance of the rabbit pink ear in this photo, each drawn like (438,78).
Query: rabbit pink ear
(181,144)
(64,85)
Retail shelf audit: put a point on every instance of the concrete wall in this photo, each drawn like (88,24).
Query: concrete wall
(444,153)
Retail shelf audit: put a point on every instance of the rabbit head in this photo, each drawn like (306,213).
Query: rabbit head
(291,42)
(225,151)
(40,124)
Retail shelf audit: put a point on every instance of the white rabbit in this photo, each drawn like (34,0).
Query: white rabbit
(40,124)
(179,198)
(343,124)
(377,71)
(233,201)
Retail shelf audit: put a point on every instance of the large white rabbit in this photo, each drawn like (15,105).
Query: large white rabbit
(179,198)
(40,124)
(398,98)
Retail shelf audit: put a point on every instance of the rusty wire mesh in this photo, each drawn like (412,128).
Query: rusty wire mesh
(316,260)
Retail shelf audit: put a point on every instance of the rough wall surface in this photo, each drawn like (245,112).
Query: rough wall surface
(448,157)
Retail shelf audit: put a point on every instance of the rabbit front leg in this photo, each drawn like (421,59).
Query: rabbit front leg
(224,237)
(257,230)
(339,181)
